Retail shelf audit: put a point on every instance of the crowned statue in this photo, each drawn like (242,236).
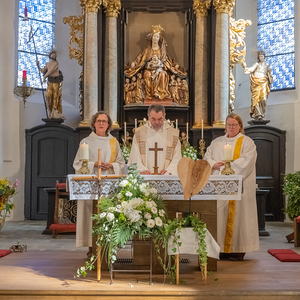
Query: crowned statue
(158,75)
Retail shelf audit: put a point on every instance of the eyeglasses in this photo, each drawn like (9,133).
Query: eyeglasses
(101,121)
(232,125)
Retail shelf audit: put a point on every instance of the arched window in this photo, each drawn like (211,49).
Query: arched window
(276,38)
(41,19)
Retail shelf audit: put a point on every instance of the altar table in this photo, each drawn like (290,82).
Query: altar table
(218,187)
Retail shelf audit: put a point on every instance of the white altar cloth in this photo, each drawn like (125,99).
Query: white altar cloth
(189,244)
(218,187)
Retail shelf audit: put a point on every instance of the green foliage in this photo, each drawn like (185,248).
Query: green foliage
(7,190)
(291,188)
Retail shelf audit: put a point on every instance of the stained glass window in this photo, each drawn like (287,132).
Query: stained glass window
(276,38)
(40,26)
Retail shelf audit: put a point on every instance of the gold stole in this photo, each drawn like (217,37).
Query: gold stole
(231,204)
(113,148)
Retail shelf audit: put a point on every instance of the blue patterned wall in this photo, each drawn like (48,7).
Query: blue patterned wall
(41,15)
(276,38)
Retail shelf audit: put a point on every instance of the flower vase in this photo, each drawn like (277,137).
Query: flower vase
(2,218)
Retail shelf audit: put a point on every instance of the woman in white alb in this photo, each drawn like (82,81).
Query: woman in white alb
(112,162)
(245,235)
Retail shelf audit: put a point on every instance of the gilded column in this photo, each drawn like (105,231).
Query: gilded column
(90,8)
(201,72)
(111,66)
(221,88)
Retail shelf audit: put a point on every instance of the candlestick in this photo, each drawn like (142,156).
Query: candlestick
(24,73)
(99,163)
(227,152)
(176,123)
(187,132)
(202,129)
(84,151)
(135,123)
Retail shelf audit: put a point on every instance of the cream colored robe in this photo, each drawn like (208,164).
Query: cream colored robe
(85,207)
(245,230)
(160,137)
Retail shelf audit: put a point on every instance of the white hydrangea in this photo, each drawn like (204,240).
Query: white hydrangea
(123,183)
(102,215)
(161,212)
(147,216)
(154,210)
(149,204)
(129,194)
(158,221)
(110,217)
(150,223)
(153,191)
(125,205)
(134,202)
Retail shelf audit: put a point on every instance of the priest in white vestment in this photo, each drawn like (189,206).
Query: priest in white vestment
(156,130)
(237,229)
(112,162)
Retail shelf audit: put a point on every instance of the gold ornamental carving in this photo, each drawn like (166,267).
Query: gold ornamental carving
(237,52)
(76,24)
(112,7)
(224,6)
(91,5)
(201,7)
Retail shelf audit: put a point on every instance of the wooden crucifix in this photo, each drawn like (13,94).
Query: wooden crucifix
(155,149)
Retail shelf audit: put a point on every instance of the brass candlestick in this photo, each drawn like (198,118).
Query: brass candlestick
(227,169)
(84,167)
(24,91)
(202,147)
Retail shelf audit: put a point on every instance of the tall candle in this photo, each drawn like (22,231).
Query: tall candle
(25,11)
(84,151)
(125,131)
(187,132)
(227,152)
(202,129)
(135,123)
(24,73)
(176,123)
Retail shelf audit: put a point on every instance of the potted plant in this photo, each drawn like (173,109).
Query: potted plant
(291,188)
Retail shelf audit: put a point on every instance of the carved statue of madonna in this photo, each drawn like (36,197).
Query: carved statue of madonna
(155,68)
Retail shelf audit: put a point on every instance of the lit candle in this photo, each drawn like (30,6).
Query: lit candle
(187,132)
(202,129)
(84,151)
(135,123)
(227,152)
(176,123)
(125,130)
(24,73)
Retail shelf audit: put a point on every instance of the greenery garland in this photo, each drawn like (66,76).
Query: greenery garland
(135,208)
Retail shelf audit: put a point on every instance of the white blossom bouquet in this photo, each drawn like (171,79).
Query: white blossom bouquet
(126,152)
(189,151)
(134,208)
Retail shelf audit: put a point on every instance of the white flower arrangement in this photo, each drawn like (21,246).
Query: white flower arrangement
(189,151)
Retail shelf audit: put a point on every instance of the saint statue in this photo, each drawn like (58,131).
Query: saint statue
(260,83)
(53,93)
(155,67)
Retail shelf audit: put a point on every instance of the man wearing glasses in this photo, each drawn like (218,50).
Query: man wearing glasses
(237,229)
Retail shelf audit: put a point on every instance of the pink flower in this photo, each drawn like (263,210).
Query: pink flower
(17,182)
